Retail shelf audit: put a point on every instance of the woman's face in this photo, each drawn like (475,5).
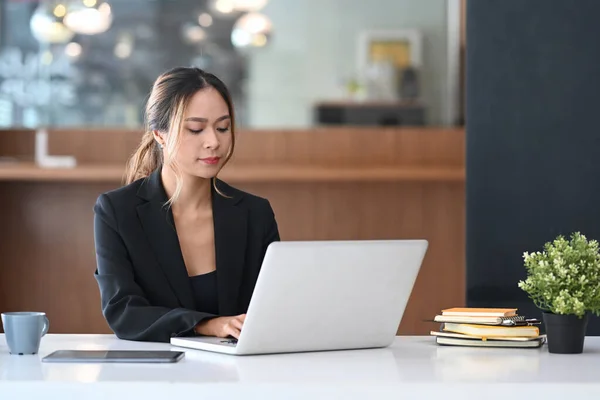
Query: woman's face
(206,135)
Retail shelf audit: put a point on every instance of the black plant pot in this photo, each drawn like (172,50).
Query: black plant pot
(565,333)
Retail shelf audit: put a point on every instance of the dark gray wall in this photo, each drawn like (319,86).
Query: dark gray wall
(533,137)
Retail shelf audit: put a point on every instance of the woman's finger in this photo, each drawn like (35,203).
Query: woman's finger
(236,323)
(231,330)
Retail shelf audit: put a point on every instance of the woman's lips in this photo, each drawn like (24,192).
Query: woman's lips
(210,160)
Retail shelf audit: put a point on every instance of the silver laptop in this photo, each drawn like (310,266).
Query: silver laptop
(324,295)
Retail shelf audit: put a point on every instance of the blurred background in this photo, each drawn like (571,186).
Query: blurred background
(350,121)
(288,63)
(471,124)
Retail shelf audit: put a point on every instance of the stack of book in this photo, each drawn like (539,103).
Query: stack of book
(487,327)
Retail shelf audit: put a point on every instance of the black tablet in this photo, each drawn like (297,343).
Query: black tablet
(114,356)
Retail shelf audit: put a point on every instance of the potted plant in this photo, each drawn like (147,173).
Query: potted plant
(564,282)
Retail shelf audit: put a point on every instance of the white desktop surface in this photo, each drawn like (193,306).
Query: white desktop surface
(413,367)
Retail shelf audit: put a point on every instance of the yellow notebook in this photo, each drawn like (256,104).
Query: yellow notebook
(480,312)
(487,331)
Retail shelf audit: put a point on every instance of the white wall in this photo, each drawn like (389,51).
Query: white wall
(314,48)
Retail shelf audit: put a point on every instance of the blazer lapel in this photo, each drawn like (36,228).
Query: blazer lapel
(159,226)
(230,225)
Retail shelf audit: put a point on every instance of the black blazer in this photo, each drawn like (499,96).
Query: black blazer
(144,286)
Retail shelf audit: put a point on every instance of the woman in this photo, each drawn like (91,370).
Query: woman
(178,250)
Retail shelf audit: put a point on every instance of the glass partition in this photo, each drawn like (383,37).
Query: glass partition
(288,63)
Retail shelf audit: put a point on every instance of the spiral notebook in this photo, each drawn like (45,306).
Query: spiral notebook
(517,320)
(450,341)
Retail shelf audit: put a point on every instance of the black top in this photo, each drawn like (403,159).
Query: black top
(145,288)
(205,292)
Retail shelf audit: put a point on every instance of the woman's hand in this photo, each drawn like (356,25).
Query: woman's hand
(222,326)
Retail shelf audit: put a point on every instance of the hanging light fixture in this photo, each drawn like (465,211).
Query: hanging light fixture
(248,5)
(205,20)
(222,9)
(73,50)
(251,30)
(47,25)
(88,17)
(193,34)
(124,45)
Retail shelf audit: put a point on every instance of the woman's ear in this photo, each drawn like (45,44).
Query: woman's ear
(159,137)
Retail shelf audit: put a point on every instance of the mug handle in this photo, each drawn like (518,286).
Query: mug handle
(46,326)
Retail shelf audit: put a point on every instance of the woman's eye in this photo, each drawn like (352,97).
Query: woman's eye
(223,129)
(195,131)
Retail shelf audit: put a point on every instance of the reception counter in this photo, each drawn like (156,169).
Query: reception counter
(324,184)
(412,368)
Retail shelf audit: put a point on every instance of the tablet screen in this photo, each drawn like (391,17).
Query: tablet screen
(152,356)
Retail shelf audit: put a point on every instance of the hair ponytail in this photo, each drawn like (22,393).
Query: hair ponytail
(145,160)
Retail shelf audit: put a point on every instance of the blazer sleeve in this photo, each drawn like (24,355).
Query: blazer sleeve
(272,230)
(127,311)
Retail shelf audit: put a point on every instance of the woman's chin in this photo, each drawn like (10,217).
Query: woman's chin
(206,171)
(201,170)
(205,175)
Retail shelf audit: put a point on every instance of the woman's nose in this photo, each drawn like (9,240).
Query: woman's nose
(211,139)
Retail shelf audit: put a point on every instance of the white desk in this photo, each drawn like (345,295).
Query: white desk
(414,367)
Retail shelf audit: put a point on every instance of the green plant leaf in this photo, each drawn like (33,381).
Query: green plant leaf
(564,278)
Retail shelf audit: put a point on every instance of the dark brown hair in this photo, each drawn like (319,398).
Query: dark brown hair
(165,108)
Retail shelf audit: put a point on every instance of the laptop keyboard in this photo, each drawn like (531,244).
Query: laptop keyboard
(231,341)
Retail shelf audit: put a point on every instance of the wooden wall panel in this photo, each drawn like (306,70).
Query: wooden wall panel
(17,143)
(384,211)
(46,241)
(47,254)
(326,146)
